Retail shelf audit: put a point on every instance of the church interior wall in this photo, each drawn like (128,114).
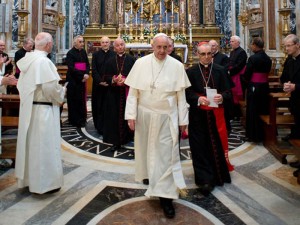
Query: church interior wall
(267,23)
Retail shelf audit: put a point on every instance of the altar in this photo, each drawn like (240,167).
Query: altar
(137,22)
(141,49)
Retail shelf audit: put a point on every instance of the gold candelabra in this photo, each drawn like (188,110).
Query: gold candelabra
(244,19)
(22,13)
(136,29)
(160,24)
(285,12)
(172,26)
(183,25)
(190,58)
(142,28)
(131,28)
(120,26)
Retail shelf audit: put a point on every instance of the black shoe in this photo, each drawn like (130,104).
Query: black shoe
(296,173)
(146,181)
(167,206)
(52,191)
(295,164)
(205,189)
(286,138)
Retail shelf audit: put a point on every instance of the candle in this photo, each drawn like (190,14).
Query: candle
(190,18)
(142,7)
(172,7)
(136,18)
(166,18)
(191,38)
(120,7)
(182,11)
(131,7)
(160,8)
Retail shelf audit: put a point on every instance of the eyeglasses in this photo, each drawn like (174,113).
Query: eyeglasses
(288,46)
(205,53)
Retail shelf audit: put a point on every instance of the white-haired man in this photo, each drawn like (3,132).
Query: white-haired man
(155,108)
(38,161)
(77,75)
(237,63)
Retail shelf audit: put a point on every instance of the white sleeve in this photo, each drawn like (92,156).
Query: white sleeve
(53,91)
(131,104)
(1,80)
(183,111)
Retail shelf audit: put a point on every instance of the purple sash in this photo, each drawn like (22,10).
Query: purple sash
(237,90)
(259,78)
(80,66)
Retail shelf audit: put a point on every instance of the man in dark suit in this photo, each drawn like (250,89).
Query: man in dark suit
(291,84)
(27,47)
(237,63)
(99,87)
(223,60)
(256,76)
(171,51)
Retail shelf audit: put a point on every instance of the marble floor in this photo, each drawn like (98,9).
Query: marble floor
(99,188)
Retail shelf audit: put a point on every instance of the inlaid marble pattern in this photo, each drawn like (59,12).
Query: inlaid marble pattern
(88,140)
(102,190)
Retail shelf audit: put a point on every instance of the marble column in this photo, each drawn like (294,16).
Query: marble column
(194,12)
(209,12)
(94,13)
(110,13)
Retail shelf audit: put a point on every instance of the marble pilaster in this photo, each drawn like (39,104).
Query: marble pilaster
(209,12)
(110,13)
(94,13)
(193,6)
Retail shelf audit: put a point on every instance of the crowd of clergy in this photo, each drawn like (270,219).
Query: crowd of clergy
(152,101)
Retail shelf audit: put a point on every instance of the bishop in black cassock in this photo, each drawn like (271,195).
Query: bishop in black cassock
(78,70)
(115,128)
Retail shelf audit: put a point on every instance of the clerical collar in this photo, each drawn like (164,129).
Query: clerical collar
(121,55)
(215,53)
(297,57)
(205,66)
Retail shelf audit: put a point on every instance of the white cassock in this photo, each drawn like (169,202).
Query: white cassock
(158,113)
(38,159)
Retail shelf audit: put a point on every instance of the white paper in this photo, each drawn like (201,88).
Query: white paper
(210,94)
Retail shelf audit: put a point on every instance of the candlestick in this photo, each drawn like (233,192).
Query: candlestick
(172,7)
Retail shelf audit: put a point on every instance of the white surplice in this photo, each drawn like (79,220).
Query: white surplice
(158,113)
(38,159)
